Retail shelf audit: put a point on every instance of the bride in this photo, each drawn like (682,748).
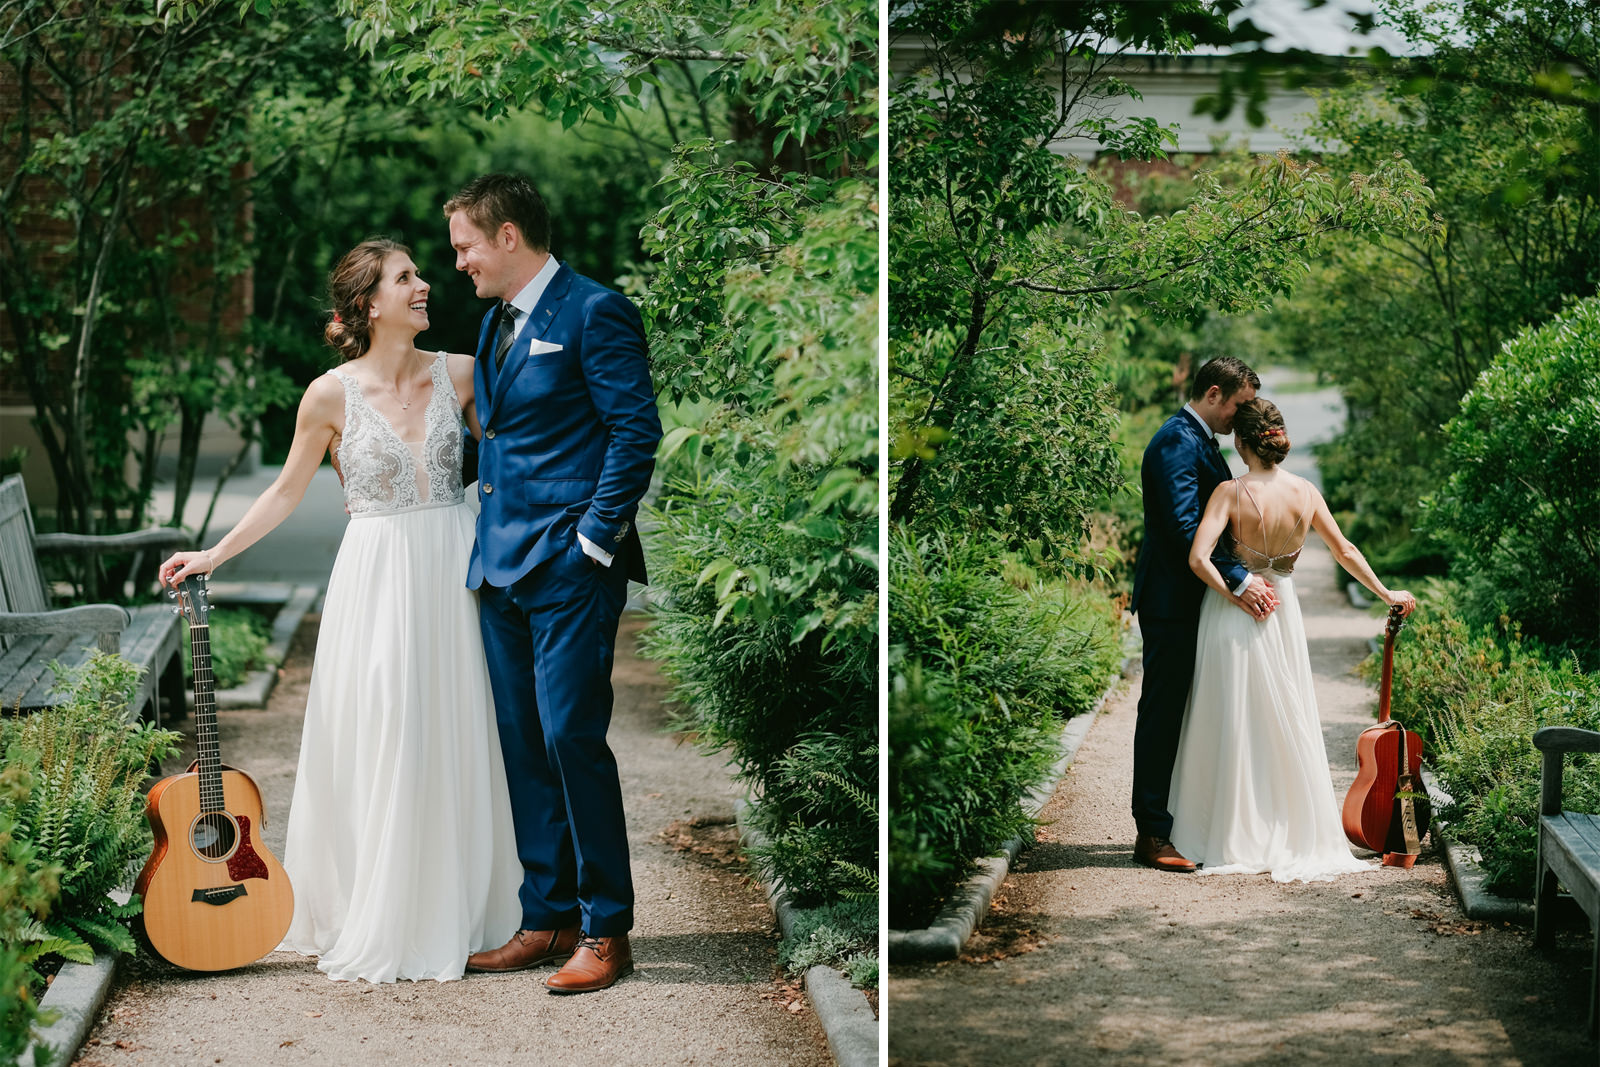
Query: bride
(400,845)
(1251,790)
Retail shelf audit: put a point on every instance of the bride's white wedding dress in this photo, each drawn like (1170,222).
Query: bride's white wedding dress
(400,847)
(1251,791)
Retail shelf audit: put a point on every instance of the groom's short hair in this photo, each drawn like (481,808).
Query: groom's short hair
(493,200)
(1229,372)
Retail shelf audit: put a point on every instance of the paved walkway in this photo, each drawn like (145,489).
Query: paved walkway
(706,989)
(1091,959)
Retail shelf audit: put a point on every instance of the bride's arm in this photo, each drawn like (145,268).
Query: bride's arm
(1218,511)
(321,413)
(461,370)
(1350,558)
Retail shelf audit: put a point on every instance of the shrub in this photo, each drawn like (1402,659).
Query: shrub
(982,673)
(1477,694)
(785,680)
(82,810)
(1521,509)
(239,638)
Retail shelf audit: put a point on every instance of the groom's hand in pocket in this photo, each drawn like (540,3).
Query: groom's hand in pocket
(1259,598)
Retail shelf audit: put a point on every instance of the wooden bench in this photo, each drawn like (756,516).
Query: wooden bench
(32,636)
(1569,851)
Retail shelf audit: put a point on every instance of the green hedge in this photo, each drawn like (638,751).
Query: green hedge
(1477,693)
(1521,509)
(792,702)
(983,671)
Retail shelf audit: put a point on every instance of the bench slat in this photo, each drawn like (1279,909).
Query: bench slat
(1584,828)
(33,677)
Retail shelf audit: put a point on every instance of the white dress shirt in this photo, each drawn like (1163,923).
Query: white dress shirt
(525,301)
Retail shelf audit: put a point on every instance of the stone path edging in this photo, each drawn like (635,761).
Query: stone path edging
(841,1008)
(942,939)
(76,994)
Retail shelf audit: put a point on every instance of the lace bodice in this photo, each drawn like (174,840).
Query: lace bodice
(383,473)
(1258,560)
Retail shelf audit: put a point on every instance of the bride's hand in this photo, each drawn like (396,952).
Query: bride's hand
(180,565)
(1405,599)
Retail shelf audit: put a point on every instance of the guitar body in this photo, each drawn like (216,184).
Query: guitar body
(214,897)
(1369,807)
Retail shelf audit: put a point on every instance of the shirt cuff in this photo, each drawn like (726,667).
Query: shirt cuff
(1237,592)
(594,551)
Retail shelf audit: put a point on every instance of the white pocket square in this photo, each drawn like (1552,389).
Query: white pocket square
(539,348)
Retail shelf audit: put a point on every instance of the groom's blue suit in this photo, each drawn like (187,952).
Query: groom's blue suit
(1182,466)
(569,438)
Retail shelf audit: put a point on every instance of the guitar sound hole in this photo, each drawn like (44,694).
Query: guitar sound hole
(213,835)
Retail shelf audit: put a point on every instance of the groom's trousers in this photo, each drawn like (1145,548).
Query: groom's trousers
(550,640)
(1169,646)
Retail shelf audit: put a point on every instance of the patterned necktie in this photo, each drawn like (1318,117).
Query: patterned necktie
(503,336)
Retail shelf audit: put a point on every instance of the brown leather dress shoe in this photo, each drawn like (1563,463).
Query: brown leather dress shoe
(1158,852)
(598,963)
(527,948)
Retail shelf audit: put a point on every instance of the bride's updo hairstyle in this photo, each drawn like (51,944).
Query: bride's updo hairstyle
(350,289)
(1259,424)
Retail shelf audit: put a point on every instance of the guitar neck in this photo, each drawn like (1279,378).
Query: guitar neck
(1385,686)
(207,750)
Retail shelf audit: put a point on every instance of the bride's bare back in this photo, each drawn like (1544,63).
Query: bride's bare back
(1270,519)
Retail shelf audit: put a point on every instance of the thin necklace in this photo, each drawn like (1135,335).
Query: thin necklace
(405,405)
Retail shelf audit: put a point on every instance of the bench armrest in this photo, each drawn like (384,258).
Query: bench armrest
(89,544)
(107,621)
(1555,742)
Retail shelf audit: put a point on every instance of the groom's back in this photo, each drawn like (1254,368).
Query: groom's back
(1177,478)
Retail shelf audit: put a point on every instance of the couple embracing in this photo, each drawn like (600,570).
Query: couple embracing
(456,806)
(1230,774)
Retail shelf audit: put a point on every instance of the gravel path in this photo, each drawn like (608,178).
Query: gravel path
(1089,958)
(706,989)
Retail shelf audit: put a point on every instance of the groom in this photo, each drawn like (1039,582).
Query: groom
(562,391)
(1182,465)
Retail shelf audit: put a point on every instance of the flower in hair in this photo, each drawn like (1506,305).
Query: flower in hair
(337,318)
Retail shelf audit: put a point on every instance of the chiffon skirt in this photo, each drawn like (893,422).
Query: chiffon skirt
(1251,791)
(400,845)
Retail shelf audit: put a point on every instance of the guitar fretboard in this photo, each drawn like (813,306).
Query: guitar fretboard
(207,750)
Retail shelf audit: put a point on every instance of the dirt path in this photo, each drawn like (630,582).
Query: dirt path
(1088,958)
(705,991)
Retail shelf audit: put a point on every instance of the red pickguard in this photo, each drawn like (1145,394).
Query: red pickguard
(244,863)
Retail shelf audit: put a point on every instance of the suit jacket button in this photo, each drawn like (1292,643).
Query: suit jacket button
(487,488)
(489,434)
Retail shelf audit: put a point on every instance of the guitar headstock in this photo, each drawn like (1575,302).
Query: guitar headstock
(192,601)
(1397,619)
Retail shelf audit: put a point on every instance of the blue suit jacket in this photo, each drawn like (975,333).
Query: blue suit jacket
(1180,471)
(569,435)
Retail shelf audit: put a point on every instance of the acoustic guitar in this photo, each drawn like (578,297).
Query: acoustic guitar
(214,896)
(1387,808)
